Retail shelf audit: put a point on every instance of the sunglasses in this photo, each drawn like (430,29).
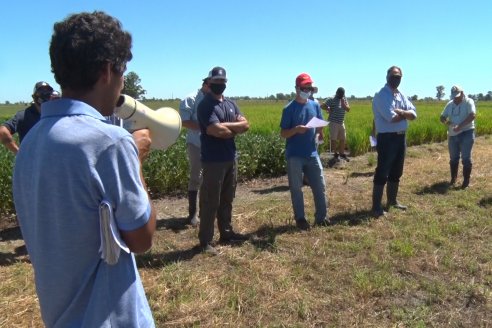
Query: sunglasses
(306,89)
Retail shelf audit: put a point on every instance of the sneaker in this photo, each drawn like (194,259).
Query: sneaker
(345,157)
(324,223)
(377,213)
(233,238)
(209,249)
(302,224)
(398,206)
(194,221)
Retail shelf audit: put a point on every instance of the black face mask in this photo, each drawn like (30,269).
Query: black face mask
(43,97)
(217,89)
(394,81)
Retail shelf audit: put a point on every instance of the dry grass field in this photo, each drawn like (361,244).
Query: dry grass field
(430,266)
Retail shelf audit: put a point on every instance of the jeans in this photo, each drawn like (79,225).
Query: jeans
(461,143)
(313,170)
(391,149)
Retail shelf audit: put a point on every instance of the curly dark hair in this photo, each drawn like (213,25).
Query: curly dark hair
(82,44)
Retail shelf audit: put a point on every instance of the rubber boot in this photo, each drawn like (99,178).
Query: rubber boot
(454,172)
(377,196)
(391,193)
(466,176)
(192,217)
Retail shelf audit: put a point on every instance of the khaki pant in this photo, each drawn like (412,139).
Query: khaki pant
(195,167)
(337,131)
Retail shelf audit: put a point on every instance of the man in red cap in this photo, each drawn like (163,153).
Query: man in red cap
(302,154)
(25,119)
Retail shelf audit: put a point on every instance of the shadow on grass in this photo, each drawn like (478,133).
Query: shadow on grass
(271,190)
(441,188)
(264,238)
(19,255)
(13,233)
(173,223)
(361,174)
(485,202)
(352,219)
(154,261)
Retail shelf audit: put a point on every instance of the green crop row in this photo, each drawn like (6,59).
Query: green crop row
(261,150)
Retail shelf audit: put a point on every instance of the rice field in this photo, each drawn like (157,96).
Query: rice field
(261,149)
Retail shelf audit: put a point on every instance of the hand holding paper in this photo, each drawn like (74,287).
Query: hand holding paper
(316,123)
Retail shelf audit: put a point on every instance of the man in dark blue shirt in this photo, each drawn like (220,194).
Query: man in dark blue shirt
(220,121)
(25,119)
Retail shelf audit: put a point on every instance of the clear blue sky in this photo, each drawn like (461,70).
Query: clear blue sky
(265,44)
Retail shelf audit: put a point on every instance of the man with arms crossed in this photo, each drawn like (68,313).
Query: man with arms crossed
(392,111)
(25,119)
(75,160)
(220,121)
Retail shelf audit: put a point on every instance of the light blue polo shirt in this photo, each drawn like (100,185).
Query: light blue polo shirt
(188,112)
(383,106)
(70,161)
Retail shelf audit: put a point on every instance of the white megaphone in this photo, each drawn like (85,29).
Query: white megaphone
(164,123)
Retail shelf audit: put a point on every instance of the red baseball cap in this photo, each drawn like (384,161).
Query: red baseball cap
(303,79)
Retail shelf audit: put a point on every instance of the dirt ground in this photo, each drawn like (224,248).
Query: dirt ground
(172,211)
(175,208)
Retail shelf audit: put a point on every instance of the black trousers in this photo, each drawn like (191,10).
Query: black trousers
(391,148)
(217,193)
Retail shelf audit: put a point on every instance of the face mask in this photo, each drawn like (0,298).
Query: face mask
(217,89)
(43,97)
(305,94)
(394,81)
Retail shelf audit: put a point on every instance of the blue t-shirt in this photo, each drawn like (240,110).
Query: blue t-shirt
(70,161)
(211,111)
(300,145)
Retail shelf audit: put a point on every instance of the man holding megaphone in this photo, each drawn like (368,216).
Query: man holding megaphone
(70,164)
(220,121)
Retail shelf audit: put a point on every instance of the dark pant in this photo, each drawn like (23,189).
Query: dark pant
(391,149)
(216,195)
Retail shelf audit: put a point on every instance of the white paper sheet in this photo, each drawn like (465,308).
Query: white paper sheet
(373,141)
(316,123)
(111,242)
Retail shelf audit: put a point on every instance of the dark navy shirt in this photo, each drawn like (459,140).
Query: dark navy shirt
(23,121)
(211,111)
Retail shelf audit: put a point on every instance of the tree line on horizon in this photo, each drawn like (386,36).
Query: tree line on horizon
(134,89)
